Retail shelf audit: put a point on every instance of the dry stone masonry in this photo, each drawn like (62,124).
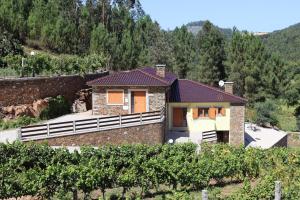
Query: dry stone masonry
(157,100)
(27,90)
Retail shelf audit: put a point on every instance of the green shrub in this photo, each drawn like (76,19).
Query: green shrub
(266,113)
(297,115)
(58,106)
(32,169)
(20,121)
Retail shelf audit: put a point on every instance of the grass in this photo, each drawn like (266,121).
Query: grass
(286,118)
(8,72)
(164,192)
(16,123)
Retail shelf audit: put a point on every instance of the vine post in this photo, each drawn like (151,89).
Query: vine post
(204,195)
(277,190)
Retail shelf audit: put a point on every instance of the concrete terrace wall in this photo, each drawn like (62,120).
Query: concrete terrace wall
(26,90)
(144,134)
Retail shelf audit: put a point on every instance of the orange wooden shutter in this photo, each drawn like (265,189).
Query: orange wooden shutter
(195,113)
(177,117)
(115,96)
(212,113)
(223,111)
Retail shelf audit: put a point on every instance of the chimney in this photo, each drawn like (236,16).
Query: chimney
(161,70)
(228,87)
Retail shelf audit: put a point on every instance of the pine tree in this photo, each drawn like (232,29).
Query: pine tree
(210,56)
(183,48)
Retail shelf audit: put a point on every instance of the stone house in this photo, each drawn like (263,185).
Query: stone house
(193,109)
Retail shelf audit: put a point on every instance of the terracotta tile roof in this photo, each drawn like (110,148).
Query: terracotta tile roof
(191,91)
(169,77)
(137,77)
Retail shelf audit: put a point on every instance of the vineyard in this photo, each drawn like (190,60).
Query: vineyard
(175,170)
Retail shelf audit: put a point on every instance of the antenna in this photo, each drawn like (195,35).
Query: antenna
(221,83)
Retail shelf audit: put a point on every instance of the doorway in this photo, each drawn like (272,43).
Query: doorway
(138,101)
(223,136)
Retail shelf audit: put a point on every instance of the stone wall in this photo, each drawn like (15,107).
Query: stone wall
(156,95)
(293,139)
(237,125)
(26,90)
(144,134)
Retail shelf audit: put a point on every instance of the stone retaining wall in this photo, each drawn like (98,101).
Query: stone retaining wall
(26,90)
(144,134)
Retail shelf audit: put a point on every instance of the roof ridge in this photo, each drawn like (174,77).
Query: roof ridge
(213,88)
(152,76)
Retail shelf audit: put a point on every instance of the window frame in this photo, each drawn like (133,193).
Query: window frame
(114,104)
(200,113)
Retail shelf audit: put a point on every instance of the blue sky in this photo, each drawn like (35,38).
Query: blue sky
(251,15)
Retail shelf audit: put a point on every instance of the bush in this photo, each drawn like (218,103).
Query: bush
(20,121)
(266,113)
(58,106)
(297,115)
(32,169)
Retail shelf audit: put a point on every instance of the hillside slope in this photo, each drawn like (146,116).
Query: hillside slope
(195,27)
(285,42)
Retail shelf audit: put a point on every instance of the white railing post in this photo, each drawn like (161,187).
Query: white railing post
(120,120)
(48,129)
(98,124)
(204,195)
(277,190)
(141,118)
(20,133)
(74,126)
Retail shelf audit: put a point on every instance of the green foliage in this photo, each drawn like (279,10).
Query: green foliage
(285,42)
(184,50)
(58,106)
(20,121)
(39,170)
(210,68)
(297,115)
(266,113)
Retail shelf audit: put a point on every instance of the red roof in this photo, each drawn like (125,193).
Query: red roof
(191,91)
(137,77)
(181,90)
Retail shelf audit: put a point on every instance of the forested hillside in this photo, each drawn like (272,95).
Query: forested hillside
(119,35)
(195,27)
(285,43)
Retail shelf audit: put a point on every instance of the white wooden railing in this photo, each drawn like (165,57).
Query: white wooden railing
(209,136)
(50,130)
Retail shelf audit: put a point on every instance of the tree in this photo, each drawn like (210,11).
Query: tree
(266,113)
(247,59)
(183,48)
(9,45)
(211,56)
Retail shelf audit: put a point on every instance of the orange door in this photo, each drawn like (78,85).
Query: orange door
(177,117)
(139,99)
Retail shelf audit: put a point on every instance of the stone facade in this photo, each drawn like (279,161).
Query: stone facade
(26,90)
(156,100)
(150,134)
(237,125)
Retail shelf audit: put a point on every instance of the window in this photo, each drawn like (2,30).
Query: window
(210,112)
(203,112)
(221,111)
(115,97)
